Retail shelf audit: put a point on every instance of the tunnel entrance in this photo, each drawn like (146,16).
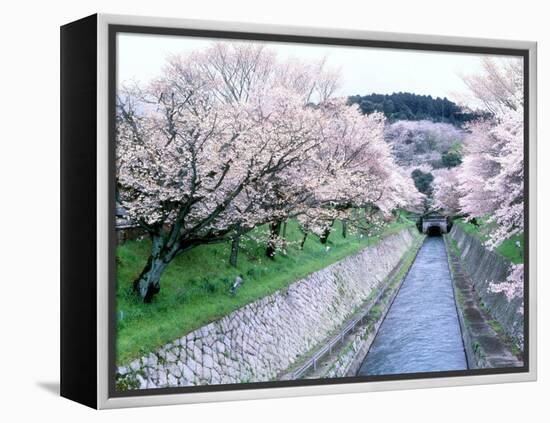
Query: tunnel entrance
(434,224)
(434,231)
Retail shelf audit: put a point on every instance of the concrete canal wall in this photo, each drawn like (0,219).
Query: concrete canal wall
(483,267)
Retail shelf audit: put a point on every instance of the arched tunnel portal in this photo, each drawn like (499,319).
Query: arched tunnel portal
(435,225)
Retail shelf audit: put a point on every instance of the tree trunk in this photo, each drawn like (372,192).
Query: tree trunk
(303,241)
(234,249)
(275,230)
(283,235)
(148,282)
(344,229)
(323,238)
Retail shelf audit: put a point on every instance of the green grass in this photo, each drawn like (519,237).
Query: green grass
(195,286)
(507,249)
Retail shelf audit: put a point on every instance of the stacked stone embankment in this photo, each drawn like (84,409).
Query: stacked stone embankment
(264,338)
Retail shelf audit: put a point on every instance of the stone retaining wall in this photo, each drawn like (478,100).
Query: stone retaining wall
(261,340)
(485,266)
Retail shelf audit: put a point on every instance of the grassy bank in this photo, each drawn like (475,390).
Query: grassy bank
(507,249)
(195,287)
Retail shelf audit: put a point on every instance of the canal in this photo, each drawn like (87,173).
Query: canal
(421,332)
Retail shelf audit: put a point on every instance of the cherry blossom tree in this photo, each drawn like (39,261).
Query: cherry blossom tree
(192,168)
(446,193)
(235,70)
(416,143)
(492,173)
(341,174)
(499,87)
(355,170)
(491,176)
(513,286)
(229,139)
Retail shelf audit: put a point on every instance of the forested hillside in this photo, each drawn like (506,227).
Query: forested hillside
(408,106)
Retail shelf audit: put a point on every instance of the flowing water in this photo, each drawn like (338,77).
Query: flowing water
(421,332)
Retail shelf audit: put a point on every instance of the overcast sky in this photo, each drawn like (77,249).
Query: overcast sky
(363,70)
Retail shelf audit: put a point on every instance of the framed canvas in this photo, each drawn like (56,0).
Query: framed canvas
(254,211)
